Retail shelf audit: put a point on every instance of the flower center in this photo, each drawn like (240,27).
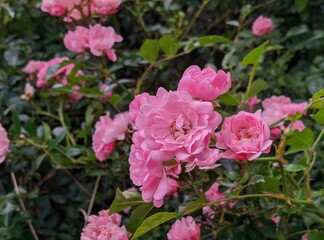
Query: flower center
(180,127)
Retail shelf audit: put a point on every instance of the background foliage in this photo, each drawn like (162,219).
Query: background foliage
(56,177)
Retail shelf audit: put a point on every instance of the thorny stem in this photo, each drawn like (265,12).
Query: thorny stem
(93,196)
(279,155)
(22,205)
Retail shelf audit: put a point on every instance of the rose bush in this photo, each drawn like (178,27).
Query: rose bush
(193,126)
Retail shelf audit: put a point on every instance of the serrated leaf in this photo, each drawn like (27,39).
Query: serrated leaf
(300,5)
(138,216)
(301,140)
(294,167)
(150,50)
(206,41)
(232,100)
(269,185)
(121,201)
(168,45)
(195,205)
(319,116)
(256,87)
(152,222)
(318,100)
(254,55)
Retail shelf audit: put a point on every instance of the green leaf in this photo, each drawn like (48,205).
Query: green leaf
(256,87)
(301,140)
(138,216)
(269,185)
(150,50)
(124,200)
(300,5)
(319,116)
(51,71)
(316,235)
(16,121)
(195,205)
(317,100)
(47,131)
(294,168)
(168,45)
(152,222)
(232,100)
(254,55)
(206,41)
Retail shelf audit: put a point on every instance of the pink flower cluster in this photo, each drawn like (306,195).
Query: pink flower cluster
(97,38)
(170,125)
(104,227)
(107,132)
(278,107)
(244,136)
(262,26)
(184,229)
(4,143)
(74,10)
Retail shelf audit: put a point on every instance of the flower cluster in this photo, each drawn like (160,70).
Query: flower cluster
(262,26)
(4,143)
(74,10)
(184,229)
(277,108)
(107,132)
(97,38)
(104,226)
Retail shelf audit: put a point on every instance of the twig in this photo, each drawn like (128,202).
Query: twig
(22,205)
(94,192)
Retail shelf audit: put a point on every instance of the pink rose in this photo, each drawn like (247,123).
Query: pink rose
(106,6)
(207,159)
(262,26)
(4,143)
(58,8)
(107,131)
(41,75)
(172,124)
(298,125)
(252,102)
(135,105)
(244,136)
(184,229)
(101,41)
(77,40)
(107,92)
(33,67)
(292,109)
(206,84)
(103,227)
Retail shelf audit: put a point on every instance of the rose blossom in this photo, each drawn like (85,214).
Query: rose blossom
(4,143)
(172,124)
(135,105)
(101,41)
(104,227)
(33,67)
(106,6)
(77,40)
(107,131)
(184,229)
(298,125)
(41,75)
(252,102)
(28,93)
(244,136)
(261,26)
(107,92)
(206,84)
(58,8)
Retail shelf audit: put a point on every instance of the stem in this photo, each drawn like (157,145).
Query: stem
(61,116)
(318,139)
(264,159)
(254,69)
(94,192)
(22,205)
(193,20)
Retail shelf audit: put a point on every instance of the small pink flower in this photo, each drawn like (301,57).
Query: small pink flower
(41,75)
(101,41)
(104,227)
(292,109)
(206,84)
(206,160)
(76,96)
(28,93)
(244,136)
(107,131)
(77,40)
(184,229)
(276,220)
(58,8)
(107,92)
(106,6)
(261,26)
(33,67)
(4,143)
(252,102)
